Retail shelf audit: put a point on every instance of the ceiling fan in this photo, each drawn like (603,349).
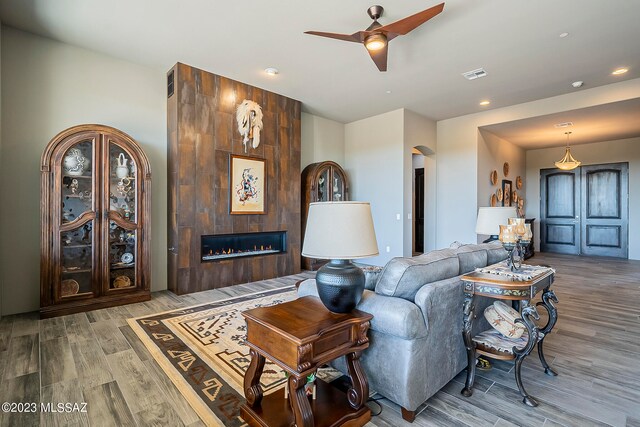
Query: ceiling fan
(376,37)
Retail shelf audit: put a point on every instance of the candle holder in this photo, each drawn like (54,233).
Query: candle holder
(515,237)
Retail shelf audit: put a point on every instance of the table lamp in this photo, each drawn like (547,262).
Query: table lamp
(340,232)
(490,219)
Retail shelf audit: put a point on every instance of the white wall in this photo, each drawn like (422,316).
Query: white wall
(625,150)
(322,139)
(419,131)
(47,87)
(493,152)
(457,150)
(374,161)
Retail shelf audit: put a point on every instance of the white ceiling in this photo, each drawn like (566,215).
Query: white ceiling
(516,41)
(606,122)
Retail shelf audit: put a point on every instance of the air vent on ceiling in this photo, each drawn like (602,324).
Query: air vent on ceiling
(563,125)
(474,74)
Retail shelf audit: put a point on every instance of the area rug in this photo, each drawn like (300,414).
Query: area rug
(202,349)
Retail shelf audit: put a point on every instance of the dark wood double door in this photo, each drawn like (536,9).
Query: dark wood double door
(585,210)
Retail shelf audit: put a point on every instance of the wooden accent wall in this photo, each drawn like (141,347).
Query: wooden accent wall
(202,134)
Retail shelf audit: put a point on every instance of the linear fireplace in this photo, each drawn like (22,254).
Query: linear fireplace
(224,246)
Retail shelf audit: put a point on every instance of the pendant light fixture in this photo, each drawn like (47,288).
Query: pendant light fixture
(567,163)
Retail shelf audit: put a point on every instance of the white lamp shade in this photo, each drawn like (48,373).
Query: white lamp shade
(339,230)
(490,219)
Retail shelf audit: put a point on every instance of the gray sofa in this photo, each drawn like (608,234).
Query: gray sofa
(416,344)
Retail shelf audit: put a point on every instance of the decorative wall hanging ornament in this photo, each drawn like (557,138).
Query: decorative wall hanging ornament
(505,168)
(567,163)
(249,118)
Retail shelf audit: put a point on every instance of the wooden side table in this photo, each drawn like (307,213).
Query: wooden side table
(300,336)
(522,292)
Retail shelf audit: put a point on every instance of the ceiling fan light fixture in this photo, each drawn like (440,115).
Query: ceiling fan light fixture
(375,42)
(567,163)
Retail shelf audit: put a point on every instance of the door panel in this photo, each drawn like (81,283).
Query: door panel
(605,210)
(603,236)
(560,204)
(561,234)
(561,189)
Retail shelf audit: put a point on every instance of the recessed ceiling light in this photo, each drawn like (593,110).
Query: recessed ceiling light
(485,103)
(563,35)
(619,71)
(388,91)
(271,71)
(577,84)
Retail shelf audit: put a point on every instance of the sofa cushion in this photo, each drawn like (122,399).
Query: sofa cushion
(403,277)
(371,275)
(495,252)
(471,257)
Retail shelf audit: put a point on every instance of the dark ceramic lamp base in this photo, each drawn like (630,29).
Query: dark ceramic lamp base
(340,285)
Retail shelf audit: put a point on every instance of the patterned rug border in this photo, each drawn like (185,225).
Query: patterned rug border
(204,412)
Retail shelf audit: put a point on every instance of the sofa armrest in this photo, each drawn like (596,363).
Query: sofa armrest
(391,315)
(441,301)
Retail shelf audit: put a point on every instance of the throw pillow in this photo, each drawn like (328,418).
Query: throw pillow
(503,319)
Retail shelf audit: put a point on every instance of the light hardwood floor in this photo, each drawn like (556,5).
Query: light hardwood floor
(95,357)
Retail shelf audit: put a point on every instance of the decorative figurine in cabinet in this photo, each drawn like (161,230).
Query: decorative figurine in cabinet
(321,182)
(95,206)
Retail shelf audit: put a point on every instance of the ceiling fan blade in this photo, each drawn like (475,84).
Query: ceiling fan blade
(346,37)
(412,22)
(380,57)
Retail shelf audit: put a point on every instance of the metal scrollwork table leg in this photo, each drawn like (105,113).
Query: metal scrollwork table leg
(469,314)
(548,300)
(528,312)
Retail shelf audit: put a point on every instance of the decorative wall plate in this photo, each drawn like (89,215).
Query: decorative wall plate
(514,196)
(499,194)
(494,201)
(505,168)
(69,287)
(519,182)
(127,257)
(520,203)
(493,177)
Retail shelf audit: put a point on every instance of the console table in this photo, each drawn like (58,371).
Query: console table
(300,336)
(490,343)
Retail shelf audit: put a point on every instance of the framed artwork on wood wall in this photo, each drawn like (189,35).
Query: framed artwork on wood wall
(247,178)
(506,190)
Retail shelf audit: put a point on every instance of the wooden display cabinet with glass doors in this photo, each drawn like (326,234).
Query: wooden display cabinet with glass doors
(95,205)
(321,182)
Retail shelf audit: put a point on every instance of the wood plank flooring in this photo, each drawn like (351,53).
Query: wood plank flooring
(96,358)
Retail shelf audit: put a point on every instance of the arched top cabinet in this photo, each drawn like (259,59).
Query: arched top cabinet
(95,213)
(321,182)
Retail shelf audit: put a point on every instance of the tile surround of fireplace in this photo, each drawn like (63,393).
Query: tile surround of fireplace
(238,245)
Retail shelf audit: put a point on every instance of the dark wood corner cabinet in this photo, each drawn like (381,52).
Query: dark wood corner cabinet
(95,207)
(321,182)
